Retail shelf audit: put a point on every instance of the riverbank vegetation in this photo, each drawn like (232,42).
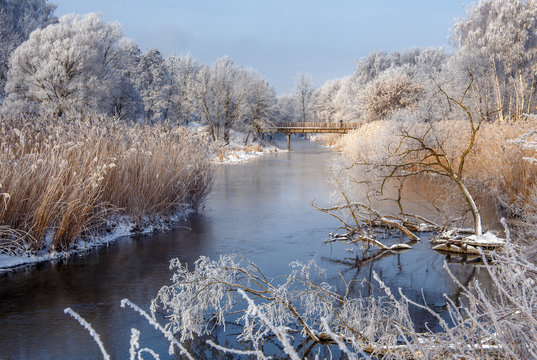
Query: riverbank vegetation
(305,316)
(66,179)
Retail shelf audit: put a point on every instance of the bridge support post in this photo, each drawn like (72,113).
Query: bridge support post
(288,141)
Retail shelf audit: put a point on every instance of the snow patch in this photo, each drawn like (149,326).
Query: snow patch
(400,247)
(456,242)
(238,155)
(487,238)
(117,228)
(236,151)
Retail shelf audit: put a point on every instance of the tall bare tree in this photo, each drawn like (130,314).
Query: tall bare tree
(303,89)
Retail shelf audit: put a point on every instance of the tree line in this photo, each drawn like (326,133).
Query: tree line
(495,43)
(79,65)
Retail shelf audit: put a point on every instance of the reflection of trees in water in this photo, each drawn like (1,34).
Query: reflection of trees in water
(357,272)
(358,263)
(434,197)
(457,296)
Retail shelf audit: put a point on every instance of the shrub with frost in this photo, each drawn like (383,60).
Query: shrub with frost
(210,288)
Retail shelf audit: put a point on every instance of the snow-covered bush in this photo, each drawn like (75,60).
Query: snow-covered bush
(210,289)
(496,320)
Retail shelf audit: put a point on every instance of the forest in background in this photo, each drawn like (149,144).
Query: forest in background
(79,65)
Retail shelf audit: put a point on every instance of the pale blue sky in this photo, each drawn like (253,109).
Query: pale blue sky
(279,38)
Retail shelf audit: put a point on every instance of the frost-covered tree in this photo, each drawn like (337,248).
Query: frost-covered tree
(346,100)
(125,101)
(341,100)
(303,89)
(287,108)
(323,101)
(392,90)
(18,18)
(69,67)
(416,61)
(222,89)
(181,100)
(152,81)
(260,103)
(497,40)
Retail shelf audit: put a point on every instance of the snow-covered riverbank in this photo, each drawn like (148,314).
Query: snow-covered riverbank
(238,150)
(116,229)
(235,152)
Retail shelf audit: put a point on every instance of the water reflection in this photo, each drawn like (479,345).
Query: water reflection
(434,197)
(259,209)
(418,272)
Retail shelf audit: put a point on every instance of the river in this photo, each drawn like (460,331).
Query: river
(260,209)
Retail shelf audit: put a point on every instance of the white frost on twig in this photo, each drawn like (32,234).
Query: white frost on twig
(337,340)
(90,329)
(156,325)
(223,349)
(134,343)
(280,331)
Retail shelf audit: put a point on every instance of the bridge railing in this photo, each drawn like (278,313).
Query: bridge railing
(322,125)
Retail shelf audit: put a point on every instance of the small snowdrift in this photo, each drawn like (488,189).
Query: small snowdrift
(237,154)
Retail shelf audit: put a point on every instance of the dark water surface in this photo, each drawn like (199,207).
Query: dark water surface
(260,209)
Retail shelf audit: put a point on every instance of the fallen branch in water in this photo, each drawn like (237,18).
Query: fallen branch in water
(366,219)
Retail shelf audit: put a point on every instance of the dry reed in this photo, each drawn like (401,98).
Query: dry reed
(62,179)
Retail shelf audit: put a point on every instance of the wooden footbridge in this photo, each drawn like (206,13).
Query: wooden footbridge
(289,128)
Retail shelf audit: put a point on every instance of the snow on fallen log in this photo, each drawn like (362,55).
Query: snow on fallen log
(454,241)
(400,247)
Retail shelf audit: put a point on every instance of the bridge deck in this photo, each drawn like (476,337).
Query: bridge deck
(313,127)
(289,128)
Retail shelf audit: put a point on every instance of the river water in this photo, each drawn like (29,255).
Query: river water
(260,209)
